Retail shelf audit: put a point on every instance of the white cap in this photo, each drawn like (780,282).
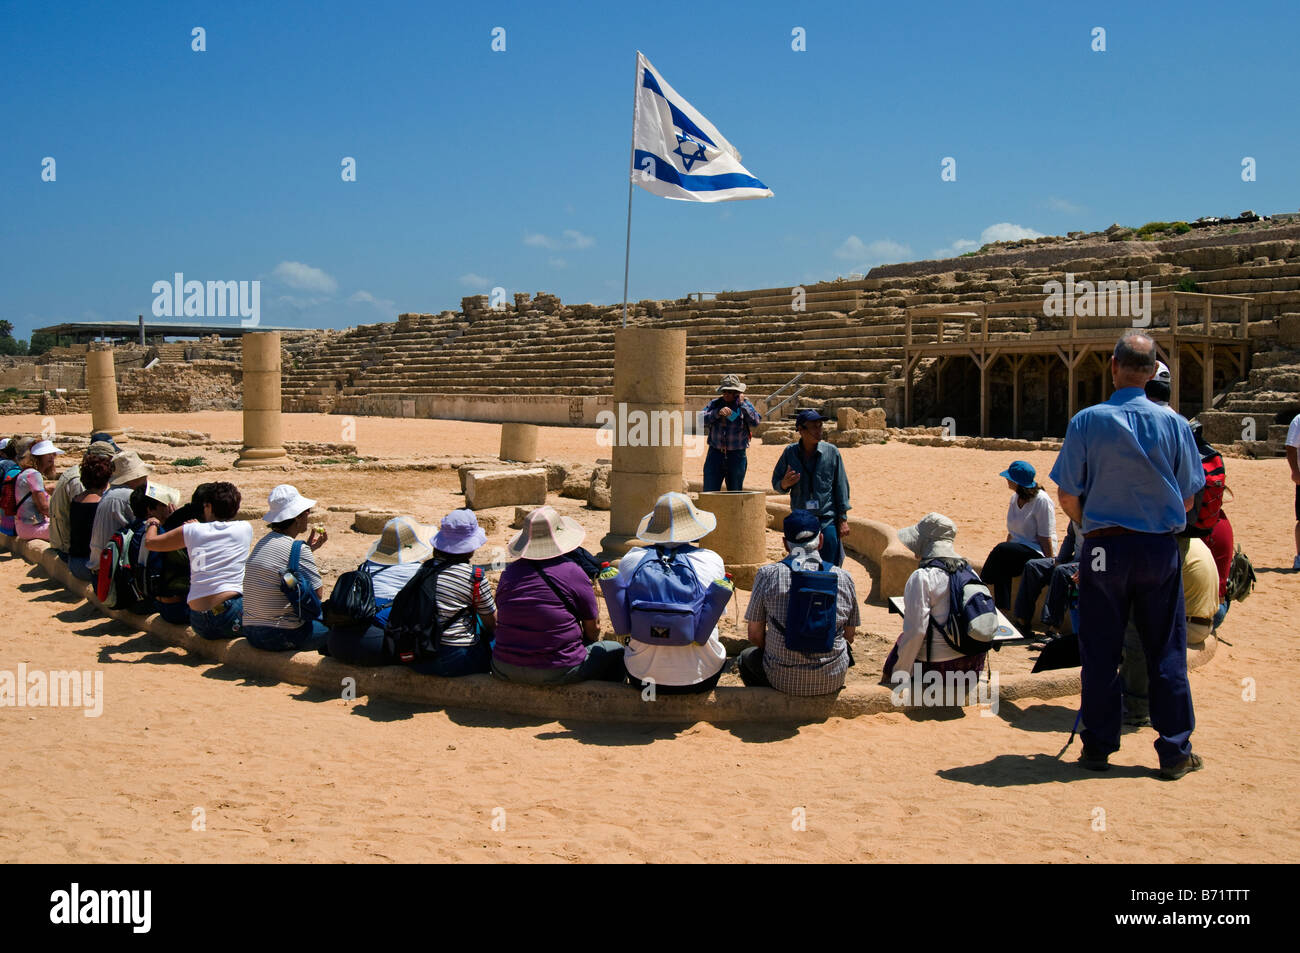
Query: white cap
(4,443)
(286,503)
(43,447)
(1162,373)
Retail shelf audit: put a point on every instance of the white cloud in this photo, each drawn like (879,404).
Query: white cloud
(556,262)
(1062,205)
(365,297)
(1006,232)
(1001,232)
(472,280)
(856,250)
(570,238)
(304,277)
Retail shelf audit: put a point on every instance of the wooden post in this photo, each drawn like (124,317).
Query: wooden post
(1207,381)
(1017,362)
(1208,303)
(1174,351)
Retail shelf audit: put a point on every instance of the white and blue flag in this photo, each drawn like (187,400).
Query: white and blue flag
(679,154)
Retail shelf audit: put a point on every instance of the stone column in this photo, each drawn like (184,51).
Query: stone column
(741,536)
(101,381)
(263,432)
(649,404)
(518,442)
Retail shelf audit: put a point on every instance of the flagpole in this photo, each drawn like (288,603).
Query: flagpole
(631,159)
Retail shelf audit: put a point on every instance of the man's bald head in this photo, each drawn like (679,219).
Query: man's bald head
(1134,360)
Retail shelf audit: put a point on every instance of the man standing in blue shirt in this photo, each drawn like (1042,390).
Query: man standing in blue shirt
(812,472)
(730,419)
(1128,471)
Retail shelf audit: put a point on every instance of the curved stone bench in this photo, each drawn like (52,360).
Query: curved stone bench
(587,701)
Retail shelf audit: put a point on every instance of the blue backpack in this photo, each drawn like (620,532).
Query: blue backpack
(668,604)
(297,587)
(972,614)
(810,616)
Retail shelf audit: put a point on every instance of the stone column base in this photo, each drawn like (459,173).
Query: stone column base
(262,457)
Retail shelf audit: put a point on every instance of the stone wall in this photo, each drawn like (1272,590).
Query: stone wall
(181,388)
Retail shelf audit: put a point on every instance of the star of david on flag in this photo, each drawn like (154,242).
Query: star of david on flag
(677,153)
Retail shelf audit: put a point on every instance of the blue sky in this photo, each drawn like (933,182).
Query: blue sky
(478,168)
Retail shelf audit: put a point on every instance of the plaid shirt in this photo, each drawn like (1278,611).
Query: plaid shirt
(731,433)
(800,673)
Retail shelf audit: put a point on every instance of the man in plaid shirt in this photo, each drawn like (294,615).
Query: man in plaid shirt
(768,661)
(730,418)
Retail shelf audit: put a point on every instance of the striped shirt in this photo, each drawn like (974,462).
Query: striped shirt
(800,673)
(264,602)
(455,591)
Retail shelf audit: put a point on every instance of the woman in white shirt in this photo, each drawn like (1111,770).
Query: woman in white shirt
(1031,532)
(218,549)
(676,669)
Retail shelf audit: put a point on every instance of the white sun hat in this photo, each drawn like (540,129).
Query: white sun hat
(285,503)
(43,447)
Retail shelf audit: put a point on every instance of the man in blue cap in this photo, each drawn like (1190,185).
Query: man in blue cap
(769,662)
(812,472)
(1128,471)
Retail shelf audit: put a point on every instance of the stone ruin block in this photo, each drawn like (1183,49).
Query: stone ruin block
(485,489)
(474,303)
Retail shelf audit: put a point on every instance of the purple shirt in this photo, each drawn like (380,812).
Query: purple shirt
(534,629)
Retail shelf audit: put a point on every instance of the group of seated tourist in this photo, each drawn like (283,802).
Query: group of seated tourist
(423,602)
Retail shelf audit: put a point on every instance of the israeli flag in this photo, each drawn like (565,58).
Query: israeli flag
(679,154)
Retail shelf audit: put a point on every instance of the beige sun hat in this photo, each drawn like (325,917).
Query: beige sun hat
(731,382)
(931,537)
(128,466)
(675,520)
(399,543)
(547,534)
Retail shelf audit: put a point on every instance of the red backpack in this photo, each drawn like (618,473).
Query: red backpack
(1209,500)
(9,493)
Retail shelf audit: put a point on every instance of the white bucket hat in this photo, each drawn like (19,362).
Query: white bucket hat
(675,520)
(43,447)
(399,543)
(285,503)
(547,534)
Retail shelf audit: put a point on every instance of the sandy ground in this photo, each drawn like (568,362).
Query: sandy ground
(282,773)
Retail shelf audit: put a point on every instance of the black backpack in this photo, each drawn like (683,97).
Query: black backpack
(414,628)
(352,606)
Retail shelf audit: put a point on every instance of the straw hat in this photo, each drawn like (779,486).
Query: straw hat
(128,466)
(547,534)
(459,533)
(931,537)
(675,520)
(285,503)
(399,543)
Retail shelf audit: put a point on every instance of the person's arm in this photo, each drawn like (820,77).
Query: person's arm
(784,476)
(756,614)
(590,631)
(489,620)
(916,621)
(850,592)
(170,541)
(841,494)
(710,415)
(1294,461)
(750,411)
(1045,544)
(757,632)
(41,500)
(1072,505)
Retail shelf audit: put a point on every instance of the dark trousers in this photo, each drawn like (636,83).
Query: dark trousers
(750,666)
(1004,563)
(728,465)
(1036,574)
(1138,575)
